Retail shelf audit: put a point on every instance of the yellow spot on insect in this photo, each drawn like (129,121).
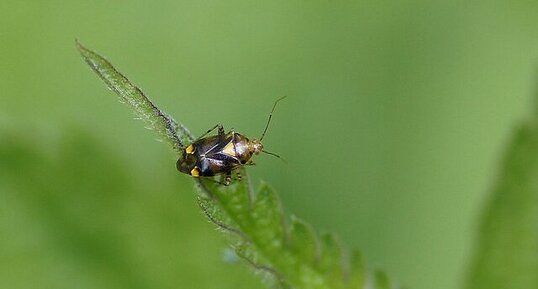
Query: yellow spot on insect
(229,149)
(195,172)
(189,150)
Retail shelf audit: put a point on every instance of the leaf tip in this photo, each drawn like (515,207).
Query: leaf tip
(80,47)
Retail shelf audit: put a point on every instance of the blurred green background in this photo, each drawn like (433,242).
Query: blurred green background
(396,118)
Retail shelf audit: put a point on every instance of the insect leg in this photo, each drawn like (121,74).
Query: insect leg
(220,130)
(227,179)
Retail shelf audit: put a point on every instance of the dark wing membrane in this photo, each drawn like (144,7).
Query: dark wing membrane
(217,164)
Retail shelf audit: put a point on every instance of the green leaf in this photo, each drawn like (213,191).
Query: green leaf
(381,281)
(303,241)
(73,215)
(168,130)
(258,230)
(331,258)
(357,274)
(267,220)
(507,247)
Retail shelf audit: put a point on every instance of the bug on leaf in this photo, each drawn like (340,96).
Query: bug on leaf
(221,154)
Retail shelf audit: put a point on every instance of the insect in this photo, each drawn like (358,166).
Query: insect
(223,153)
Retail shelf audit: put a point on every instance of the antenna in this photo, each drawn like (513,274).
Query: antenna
(275,155)
(270,116)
